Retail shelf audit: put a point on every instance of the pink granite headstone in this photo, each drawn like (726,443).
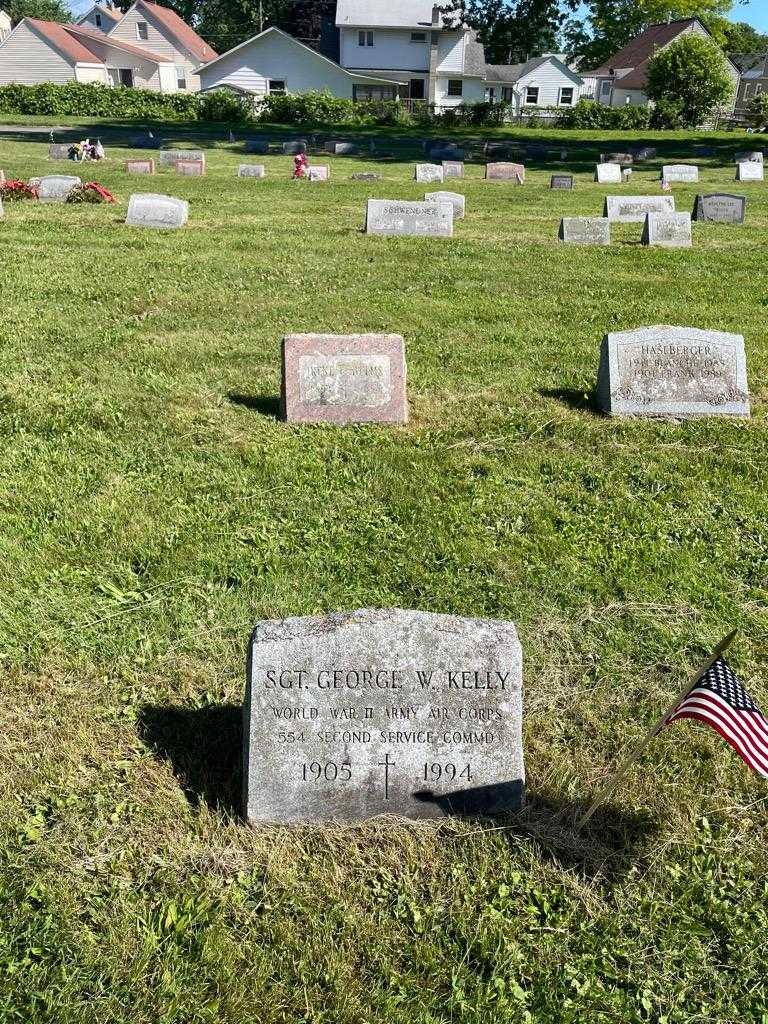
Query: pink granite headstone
(140,166)
(344,378)
(504,171)
(192,168)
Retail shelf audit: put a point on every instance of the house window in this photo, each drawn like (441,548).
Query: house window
(365,38)
(758,90)
(532,95)
(126,76)
(418,37)
(142,30)
(566,97)
(276,85)
(181,78)
(416,90)
(507,94)
(371,93)
(455,87)
(605,88)
(97,20)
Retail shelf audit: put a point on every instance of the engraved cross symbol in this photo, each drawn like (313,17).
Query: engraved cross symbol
(386,764)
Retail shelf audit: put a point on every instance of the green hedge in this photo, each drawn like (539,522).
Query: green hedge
(321,108)
(76,99)
(589,114)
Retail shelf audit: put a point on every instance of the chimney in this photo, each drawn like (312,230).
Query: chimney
(436,14)
(434,58)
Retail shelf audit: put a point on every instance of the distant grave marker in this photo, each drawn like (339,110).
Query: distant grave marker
(453,168)
(295,147)
(750,156)
(749,170)
(148,210)
(190,168)
(366,176)
(319,172)
(617,158)
(505,171)
(633,209)
(429,172)
(340,379)
(356,714)
(402,217)
(454,198)
(585,230)
(54,188)
(608,174)
(720,206)
(680,172)
(668,230)
(561,181)
(140,166)
(679,372)
(251,171)
(168,157)
(256,147)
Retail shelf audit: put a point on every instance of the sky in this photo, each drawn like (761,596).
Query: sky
(755,12)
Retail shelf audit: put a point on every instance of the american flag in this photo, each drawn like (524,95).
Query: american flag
(719,700)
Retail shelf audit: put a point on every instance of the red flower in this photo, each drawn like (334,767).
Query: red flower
(105,195)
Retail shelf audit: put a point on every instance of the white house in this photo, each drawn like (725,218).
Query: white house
(100,17)
(46,51)
(623,77)
(408,41)
(274,62)
(162,31)
(542,82)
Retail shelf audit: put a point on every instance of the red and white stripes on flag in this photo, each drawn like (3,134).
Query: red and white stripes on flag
(719,700)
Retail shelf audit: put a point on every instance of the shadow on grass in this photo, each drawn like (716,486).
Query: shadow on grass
(265,405)
(204,748)
(574,399)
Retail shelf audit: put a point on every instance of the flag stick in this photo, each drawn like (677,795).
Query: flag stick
(656,728)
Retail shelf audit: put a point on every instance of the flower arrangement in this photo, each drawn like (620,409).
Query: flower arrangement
(16,190)
(90,192)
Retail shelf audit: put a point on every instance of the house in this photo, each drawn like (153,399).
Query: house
(409,41)
(163,32)
(545,81)
(274,62)
(623,77)
(100,17)
(754,81)
(47,51)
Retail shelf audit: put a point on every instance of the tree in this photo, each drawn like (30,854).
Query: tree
(692,75)
(737,36)
(757,112)
(45,10)
(512,31)
(612,23)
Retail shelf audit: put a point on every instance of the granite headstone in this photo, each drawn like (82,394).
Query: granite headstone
(295,147)
(344,378)
(403,217)
(319,172)
(585,230)
(168,157)
(720,206)
(457,200)
(679,372)
(633,209)
(680,172)
(54,188)
(366,176)
(190,168)
(59,150)
(256,147)
(140,166)
(608,174)
(749,170)
(148,210)
(749,156)
(505,171)
(251,171)
(561,181)
(668,230)
(453,168)
(382,711)
(429,172)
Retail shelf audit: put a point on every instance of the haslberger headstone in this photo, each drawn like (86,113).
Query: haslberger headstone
(148,210)
(59,151)
(406,713)
(319,172)
(403,217)
(168,157)
(668,230)
(344,378)
(749,170)
(633,209)
(679,172)
(453,168)
(140,166)
(608,174)
(678,372)
(585,230)
(366,176)
(456,199)
(429,172)
(54,188)
(720,206)
(561,181)
(190,168)
(251,171)
(505,171)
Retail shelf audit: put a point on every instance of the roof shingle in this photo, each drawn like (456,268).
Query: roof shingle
(183,32)
(642,47)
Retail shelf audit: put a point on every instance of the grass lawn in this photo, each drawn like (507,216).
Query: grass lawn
(152,508)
